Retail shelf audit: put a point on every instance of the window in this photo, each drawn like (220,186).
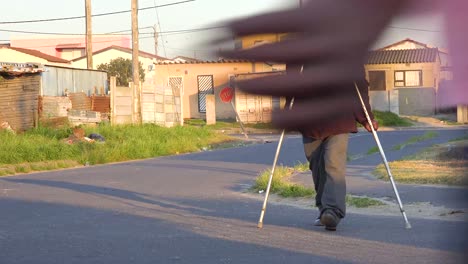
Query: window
(238,44)
(408,78)
(377,81)
(205,87)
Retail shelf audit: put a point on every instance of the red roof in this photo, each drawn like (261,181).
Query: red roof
(70,46)
(38,54)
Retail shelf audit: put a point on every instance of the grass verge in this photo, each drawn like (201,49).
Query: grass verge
(373,150)
(282,186)
(122,143)
(227,124)
(387,119)
(426,136)
(37,166)
(390,119)
(445,164)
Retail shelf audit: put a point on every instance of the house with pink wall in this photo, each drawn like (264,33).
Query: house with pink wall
(68,47)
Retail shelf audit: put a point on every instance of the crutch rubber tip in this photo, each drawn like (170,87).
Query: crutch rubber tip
(408,225)
(260,225)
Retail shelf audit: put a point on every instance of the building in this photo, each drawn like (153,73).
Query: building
(251,41)
(21,55)
(68,47)
(113,52)
(405,77)
(196,80)
(184,59)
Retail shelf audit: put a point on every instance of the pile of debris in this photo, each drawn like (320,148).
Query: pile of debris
(6,126)
(79,136)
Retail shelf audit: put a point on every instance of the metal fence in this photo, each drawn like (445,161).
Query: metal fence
(57,81)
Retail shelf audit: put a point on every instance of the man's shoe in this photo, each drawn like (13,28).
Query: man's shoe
(317,221)
(330,220)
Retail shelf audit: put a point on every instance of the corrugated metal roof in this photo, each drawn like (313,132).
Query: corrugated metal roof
(17,69)
(402,56)
(38,54)
(201,62)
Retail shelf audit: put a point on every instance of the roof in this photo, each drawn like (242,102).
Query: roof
(70,46)
(185,58)
(201,62)
(403,41)
(127,50)
(17,69)
(38,54)
(402,56)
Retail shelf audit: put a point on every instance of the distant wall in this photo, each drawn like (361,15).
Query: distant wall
(417,101)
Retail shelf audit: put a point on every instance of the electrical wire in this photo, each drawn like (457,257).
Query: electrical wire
(159,26)
(172,32)
(96,15)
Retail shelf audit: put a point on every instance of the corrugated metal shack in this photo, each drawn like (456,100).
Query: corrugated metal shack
(59,81)
(19,91)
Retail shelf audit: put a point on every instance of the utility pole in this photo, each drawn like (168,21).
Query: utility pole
(89,35)
(156,39)
(136,63)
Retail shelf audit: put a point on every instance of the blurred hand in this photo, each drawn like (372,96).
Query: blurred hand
(375,124)
(330,38)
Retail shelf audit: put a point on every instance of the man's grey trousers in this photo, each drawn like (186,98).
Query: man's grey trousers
(327,159)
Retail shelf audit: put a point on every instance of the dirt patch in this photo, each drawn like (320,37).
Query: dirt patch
(413,210)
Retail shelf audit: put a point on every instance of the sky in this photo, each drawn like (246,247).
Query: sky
(190,15)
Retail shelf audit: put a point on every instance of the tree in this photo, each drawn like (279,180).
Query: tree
(122,69)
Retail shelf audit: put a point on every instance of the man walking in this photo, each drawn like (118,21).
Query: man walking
(325,147)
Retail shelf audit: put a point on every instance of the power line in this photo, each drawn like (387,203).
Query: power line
(51,33)
(121,31)
(159,25)
(171,32)
(416,29)
(96,15)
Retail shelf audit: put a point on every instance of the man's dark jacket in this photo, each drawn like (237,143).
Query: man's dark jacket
(345,122)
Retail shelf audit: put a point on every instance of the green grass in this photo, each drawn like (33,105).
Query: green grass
(282,186)
(226,124)
(36,166)
(122,143)
(301,167)
(362,202)
(387,119)
(372,150)
(426,136)
(445,164)
(464,137)
(390,119)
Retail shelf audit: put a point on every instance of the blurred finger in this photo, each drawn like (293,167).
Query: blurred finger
(276,22)
(311,113)
(291,51)
(331,76)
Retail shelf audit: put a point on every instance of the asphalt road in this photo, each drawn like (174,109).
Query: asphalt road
(190,209)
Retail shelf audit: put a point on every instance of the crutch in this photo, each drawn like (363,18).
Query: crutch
(278,149)
(408,225)
(267,191)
